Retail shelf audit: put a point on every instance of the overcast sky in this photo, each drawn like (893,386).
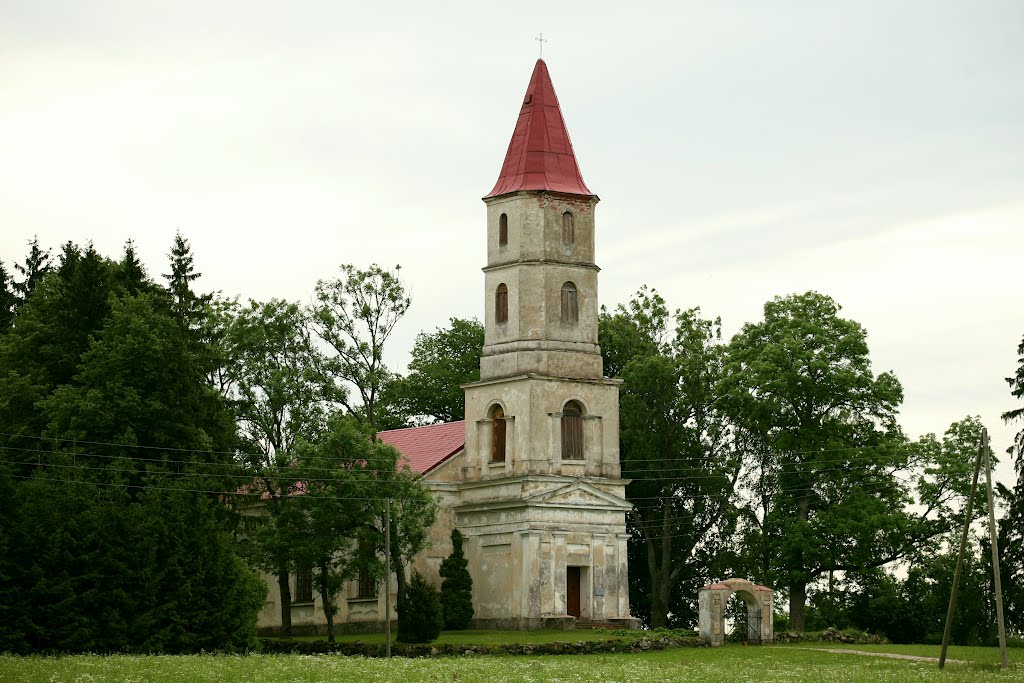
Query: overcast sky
(870,150)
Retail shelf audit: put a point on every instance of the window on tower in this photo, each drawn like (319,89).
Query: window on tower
(570,304)
(572,431)
(568,234)
(503,230)
(501,304)
(498,435)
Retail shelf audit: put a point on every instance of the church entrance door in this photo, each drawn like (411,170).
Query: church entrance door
(572,590)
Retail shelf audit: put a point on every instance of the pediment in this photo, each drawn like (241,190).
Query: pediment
(579,494)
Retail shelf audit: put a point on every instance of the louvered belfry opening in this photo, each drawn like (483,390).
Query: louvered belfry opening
(501,304)
(498,435)
(568,234)
(570,303)
(503,230)
(572,431)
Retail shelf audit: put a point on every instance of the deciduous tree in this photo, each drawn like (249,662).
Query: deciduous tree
(355,315)
(442,361)
(677,445)
(801,383)
(279,399)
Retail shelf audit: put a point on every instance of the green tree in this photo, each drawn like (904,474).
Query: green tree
(677,445)
(137,387)
(186,305)
(1011,526)
(116,521)
(420,618)
(355,315)
(8,299)
(279,401)
(56,326)
(131,277)
(456,587)
(338,476)
(800,383)
(35,268)
(413,511)
(278,391)
(98,569)
(442,361)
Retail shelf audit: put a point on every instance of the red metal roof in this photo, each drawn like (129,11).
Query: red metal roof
(427,447)
(540,155)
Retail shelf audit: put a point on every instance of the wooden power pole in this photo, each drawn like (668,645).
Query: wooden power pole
(387,576)
(959,562)
(983,450)
(994,536)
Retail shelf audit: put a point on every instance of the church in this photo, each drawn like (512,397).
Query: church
(531,477)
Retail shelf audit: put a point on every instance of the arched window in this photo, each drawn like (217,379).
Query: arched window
(572,431)
(570,304)
(501,304)
(568,234)
(503,230)
(498,435)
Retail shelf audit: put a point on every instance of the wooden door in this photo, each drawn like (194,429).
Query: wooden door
(572,591)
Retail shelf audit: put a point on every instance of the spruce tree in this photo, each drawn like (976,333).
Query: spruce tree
(8,299)
(456,587)
(37,265)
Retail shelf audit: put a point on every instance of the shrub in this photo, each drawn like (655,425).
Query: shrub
(419,612)
(456,587)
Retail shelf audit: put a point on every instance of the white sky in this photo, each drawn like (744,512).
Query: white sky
(872,150)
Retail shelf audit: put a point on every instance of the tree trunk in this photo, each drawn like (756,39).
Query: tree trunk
(660,570)
(659,603)
(797,606)
(286,602)
(400,578)
(798,587)
(327,596)
(329,614)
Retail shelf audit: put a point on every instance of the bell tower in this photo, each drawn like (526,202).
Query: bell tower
(543,504)
(540,281)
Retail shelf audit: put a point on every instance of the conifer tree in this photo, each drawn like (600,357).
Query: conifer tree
(8,299)
(36,266)
(456,587)
(131,275)
(419,612)
(187,306)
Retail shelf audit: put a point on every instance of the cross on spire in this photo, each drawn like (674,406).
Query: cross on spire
(540,39)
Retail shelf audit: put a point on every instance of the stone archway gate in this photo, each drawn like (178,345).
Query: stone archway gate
(713,599)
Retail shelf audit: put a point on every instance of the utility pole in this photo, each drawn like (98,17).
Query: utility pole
(387,576)
(959,563)
(994,537)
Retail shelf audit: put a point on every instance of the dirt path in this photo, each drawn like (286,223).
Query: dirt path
(890,655)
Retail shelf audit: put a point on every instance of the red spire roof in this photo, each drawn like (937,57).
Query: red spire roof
(540,154)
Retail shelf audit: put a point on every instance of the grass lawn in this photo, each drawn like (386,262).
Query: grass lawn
(730,664)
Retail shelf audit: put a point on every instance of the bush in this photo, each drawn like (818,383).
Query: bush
(456,587)
(358,648)
(419,612)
